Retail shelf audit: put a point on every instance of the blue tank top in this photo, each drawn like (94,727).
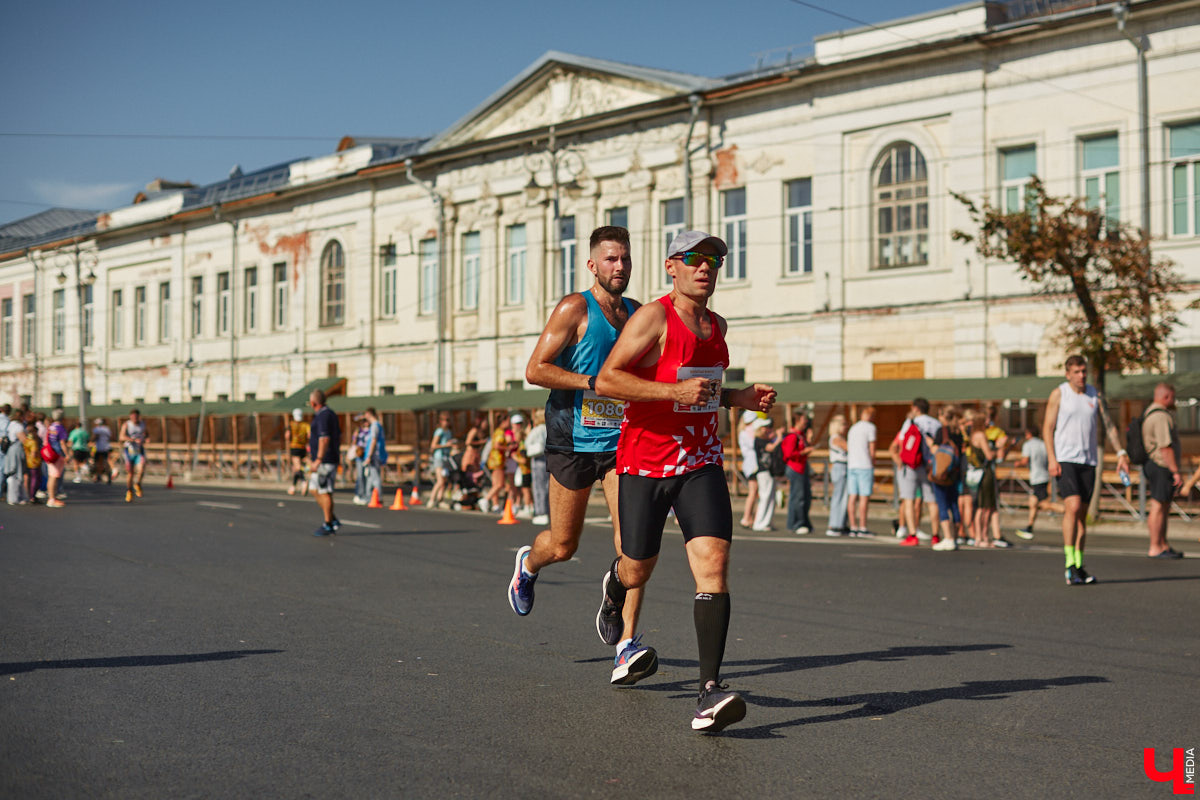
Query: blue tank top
(577,420)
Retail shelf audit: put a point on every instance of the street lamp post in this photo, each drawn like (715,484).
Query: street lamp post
(78,258)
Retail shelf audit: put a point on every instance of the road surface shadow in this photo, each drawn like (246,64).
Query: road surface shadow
(880,704)
(130,661)
(1155,579)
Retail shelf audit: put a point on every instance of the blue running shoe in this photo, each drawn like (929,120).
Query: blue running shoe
(635,661)
(325,530)
(717,709)
(520,588)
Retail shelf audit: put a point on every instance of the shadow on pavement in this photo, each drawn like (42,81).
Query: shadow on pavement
(881,704)
(1154,579)
(130,661)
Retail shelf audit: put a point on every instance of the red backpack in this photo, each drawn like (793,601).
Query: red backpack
(910,446)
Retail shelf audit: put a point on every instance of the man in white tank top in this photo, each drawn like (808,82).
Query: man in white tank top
(1069,431)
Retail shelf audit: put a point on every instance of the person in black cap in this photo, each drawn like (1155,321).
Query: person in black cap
(668,365)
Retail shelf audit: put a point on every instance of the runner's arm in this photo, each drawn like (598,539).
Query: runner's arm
(641,342)
(1048,425)
(562,330)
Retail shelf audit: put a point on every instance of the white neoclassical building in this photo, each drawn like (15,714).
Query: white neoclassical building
(412,265)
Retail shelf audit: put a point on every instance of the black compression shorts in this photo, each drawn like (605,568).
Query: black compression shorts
(1076,479)
(700,499)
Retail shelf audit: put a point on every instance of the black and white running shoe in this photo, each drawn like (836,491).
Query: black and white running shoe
(718,709)
(609,624)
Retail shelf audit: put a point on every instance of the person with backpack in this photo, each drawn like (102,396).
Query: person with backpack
(1154,441)
(910,455)
(796,448)
(945,466)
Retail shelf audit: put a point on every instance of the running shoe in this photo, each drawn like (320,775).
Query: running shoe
(609,624)
(520,588)
(832,532)
(325,530)
(55,504)
(803,529)
(541,519)
(337,524)
(634,662)
(1083,573)
(1025,533)
(128,496)
(137,489)
(910,541)
(717,709)
(1001,542)
(1073,577)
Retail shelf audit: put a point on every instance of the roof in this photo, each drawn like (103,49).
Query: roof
(52,225)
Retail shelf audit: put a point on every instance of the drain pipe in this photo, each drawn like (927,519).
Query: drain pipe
(1142,44)
(440,206)
(694,100)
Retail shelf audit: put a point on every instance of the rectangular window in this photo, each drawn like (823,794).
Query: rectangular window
(733,220)
(515,383)
(117,319)
(139,315)
(89,315)
(798,220)
(56,399)
(671,212)
(164,311)
(425,388)
(618,216)
(197,305)
(566,261)
(1100,162)
(1020,364)
(1017,165)
(429,276)
(28,325)
(797,372)
(279,295)
(387,281)
(224,297)
(735,375)
(1183,151)
(250,322)
(470,278)
(468,386)
(7,327)
(59,340)
(517,256)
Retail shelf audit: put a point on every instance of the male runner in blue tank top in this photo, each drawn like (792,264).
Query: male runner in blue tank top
(582,430)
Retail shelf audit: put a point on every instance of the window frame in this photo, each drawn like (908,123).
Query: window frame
(250,304)
(516,264)
(332,311)
(429,272)
(279,296)
(197,305)
(1103,176)
(224,302)
(388,275)
(139,314)
(7,326)
(164,312)
(798,228)
(116,328)
(1187,166)
(88,334)
(472,262)
(568,251)
(670,229)
(58,327)
(905,195)
(28,324)
(734,227)
(1019,185)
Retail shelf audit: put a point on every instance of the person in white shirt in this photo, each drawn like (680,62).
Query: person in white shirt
(102,439)
(1034,456)
(860,470)
(745,438)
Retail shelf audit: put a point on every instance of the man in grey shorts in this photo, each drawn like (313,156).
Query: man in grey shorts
(324,446)
(910,478)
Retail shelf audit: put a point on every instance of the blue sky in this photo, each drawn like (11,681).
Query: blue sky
(116,94)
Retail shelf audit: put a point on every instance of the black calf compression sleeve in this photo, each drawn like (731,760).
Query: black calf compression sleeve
(615,589)
(711,613)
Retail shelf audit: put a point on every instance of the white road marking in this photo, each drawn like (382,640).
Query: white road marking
(218,505)
(354,524)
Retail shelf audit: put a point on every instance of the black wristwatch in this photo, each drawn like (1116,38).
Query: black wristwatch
(592,382)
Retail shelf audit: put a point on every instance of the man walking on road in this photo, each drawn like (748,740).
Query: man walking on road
(324,443)
(668,365)
(1164,455)
(860,469)
(1069,430)
(582,429)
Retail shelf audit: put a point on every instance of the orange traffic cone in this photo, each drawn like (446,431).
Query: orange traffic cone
(507,518)
(170,482)
(398,503)
(414,499)
(374,500)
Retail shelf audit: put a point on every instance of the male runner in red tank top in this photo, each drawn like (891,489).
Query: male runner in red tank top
(668,365)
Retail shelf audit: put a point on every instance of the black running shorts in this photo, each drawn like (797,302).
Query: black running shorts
(1076,480)
(577,471)
(700,499)
(1160,484)
(1040,490)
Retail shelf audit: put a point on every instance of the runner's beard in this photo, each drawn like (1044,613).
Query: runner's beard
(607,285)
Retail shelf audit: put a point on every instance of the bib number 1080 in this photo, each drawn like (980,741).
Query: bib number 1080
(601,412)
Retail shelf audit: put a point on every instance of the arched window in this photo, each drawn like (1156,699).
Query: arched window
(333,284)
(901,207)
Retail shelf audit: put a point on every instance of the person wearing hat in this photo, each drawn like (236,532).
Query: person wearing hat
(296,441)
(582,429)
(668,366)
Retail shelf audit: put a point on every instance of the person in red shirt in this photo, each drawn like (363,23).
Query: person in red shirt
(795,448)
(668,365)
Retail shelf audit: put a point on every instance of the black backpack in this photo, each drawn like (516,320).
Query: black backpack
(1135,445)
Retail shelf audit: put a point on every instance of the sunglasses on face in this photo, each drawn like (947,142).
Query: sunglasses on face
(694,259)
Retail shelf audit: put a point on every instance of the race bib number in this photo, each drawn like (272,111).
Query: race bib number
(600,412)
(714,376)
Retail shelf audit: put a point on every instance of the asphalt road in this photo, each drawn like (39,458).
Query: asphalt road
(201,643)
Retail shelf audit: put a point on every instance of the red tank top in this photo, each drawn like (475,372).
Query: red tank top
(660,439)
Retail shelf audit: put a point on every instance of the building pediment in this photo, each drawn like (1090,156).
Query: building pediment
(560,88)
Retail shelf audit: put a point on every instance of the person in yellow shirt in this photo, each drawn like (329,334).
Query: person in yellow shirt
(297,440)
